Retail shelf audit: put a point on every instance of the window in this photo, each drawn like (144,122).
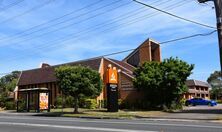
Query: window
(202,96)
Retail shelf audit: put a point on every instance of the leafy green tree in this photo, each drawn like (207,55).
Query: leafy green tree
(215,80)
(79,82)
(175,74)
(148,79)
(8,82)
(7,85)
(163,82)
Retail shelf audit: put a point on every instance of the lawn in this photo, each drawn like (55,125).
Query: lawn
(102,113)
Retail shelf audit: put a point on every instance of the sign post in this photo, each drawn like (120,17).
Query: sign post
(112,89)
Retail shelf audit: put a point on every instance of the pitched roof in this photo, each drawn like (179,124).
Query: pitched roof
(44,75)
(125,65)
(197,83)
(134,51)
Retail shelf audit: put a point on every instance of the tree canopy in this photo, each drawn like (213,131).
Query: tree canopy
(7,85)
(8,82)
(215,80)
(162,82)
(79,81)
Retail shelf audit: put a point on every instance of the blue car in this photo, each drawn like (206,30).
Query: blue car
(200,101)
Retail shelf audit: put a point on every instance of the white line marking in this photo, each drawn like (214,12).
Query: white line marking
(112,122)
(73,127)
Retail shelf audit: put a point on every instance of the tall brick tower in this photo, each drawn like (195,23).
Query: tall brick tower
(149,50)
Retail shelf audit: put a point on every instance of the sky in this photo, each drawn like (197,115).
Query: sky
(61,31)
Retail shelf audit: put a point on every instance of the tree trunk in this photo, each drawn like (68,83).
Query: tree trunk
(76,105)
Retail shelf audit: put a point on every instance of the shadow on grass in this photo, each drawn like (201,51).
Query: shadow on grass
(56,114)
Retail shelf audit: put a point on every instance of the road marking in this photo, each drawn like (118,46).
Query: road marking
(73,127)
(112,122)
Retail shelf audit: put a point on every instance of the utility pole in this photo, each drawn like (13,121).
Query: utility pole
(218,9)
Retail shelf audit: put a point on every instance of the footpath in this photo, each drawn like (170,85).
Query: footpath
(200,113)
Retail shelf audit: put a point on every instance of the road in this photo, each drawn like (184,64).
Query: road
(60,124)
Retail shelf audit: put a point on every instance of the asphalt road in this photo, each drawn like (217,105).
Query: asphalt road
(58,124)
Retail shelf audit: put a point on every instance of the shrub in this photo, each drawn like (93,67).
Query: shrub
(174,106)
(120,101)
(90,104)
(58,101)
(182,101)
(21,105)
(125,105)
(69,101)
(10,105)
(219,101)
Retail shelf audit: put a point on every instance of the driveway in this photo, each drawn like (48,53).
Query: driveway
(198,113)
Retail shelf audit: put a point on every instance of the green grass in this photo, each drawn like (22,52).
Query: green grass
(102,113)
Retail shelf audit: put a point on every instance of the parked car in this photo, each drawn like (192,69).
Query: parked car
(200,101)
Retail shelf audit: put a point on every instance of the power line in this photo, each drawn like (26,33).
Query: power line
(161,43)
(173,15)
(28,11)
(10,5)
(187,37)
(66,26)
(52,20)
(135,12)
(96,27)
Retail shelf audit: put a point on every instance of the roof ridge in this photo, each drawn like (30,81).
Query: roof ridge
(78,61)
(52,66)
(118,64)
(123,62)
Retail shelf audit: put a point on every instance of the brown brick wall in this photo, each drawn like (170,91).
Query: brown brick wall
(145,52)
(127,90)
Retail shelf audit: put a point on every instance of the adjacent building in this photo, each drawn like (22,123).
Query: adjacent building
(44,79)
(197,89)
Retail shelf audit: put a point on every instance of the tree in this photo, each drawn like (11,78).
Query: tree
(7,85)
(8,82)
(163,82)
(79,82)
(215,80)
(148,79)
(175,74)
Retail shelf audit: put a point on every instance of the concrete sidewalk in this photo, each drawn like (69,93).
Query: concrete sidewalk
(198,113)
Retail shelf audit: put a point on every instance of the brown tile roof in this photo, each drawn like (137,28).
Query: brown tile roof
(44,75)
(197,83)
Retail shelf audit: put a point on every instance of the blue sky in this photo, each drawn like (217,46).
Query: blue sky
(105,26)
